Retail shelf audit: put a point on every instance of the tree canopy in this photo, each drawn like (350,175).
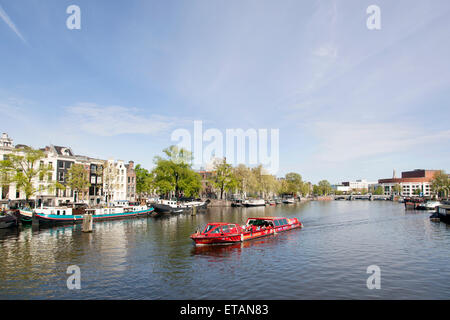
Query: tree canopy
(174,174)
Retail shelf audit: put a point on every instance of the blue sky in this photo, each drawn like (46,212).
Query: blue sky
(349,102)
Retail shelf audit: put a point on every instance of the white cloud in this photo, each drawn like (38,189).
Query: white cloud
(327,50)
(10,24)
(341,142)
(116,120)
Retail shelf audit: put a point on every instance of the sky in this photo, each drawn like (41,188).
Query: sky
(349,102)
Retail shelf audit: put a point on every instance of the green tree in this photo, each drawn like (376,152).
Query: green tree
(245,180)
(24,168)
(224,178)
(324,187)
(174,173)
(440,184)
(316,190)
(378,191)
(305,189)
(144,181)
(78,179)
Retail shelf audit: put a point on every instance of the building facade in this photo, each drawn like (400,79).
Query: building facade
(361,184)
(59,160)
(416,182)
(131,181)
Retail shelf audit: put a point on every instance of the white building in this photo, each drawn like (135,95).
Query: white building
(341,188)
(115,180)
(359,184)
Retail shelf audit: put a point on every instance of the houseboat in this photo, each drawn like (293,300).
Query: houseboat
(412,203)
(442,213)
(429,205)
(163,206)
(61,215)
(237,203)
(289,200)
(226,233)
(254,203)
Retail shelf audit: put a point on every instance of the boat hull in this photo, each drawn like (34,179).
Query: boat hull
(72,219)
(254,205)
(8,222)
(163,209)
(166,209)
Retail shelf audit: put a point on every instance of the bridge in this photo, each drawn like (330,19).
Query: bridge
(370,197)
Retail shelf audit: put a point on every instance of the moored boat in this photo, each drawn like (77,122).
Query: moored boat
(442,213)
(254,203)
(174,207)
(429,205)
(226,233)
(237,203)
(9,220)
(61,215)
(289,200)
(26,215)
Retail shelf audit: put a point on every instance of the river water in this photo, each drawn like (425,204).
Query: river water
(147,258)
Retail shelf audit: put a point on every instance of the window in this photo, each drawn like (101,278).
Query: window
(225,229)
(210,227)
(277,223)
(216,230)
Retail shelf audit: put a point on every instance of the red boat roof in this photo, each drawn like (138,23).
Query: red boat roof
(268,218)
(221,223)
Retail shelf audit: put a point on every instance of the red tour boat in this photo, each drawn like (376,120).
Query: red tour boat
(223,233)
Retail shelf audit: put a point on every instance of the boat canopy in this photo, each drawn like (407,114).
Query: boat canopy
(213,228)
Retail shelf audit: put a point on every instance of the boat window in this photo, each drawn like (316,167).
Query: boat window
(257,223)
(216,230)
(57,212)
(225,229)
(64,212)
(208,228)
(284,221)
(277,223)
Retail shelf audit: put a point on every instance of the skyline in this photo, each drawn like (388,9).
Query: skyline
(312,70)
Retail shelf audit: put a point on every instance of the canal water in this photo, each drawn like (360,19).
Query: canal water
(147,258)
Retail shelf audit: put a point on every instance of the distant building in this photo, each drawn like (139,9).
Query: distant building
(341,188)
(411,183)
(131,181)
(208,189)
(115,181)
(6,141)
(361,184)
